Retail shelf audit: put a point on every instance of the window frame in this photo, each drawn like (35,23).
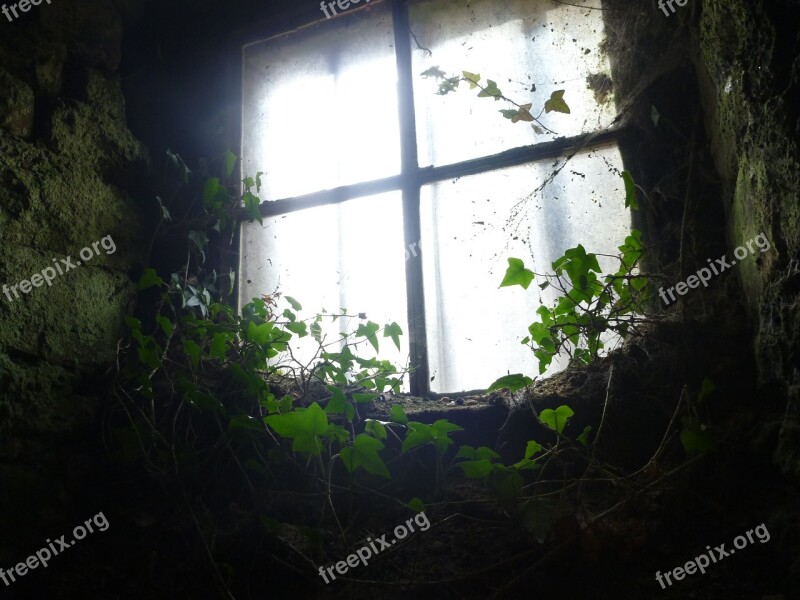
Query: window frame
(412,178)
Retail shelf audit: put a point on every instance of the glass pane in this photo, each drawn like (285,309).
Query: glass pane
(320,106)
(341,256)
(471,226)
(520,44)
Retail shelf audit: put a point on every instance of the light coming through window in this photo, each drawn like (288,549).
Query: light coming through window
(362,159)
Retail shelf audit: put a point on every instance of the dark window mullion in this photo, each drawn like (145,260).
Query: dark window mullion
(520,156)
(426,175)
(411,199)
(339,195)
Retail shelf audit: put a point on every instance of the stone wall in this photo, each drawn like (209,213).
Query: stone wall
(749,65)
(72,173)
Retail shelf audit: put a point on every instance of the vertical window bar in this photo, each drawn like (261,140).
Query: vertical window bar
(419,378)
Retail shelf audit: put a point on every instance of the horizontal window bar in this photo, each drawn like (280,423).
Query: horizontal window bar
(508,158)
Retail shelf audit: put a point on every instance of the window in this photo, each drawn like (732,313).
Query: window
(363,162)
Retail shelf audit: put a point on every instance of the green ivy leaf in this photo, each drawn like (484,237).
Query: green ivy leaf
(581,269)
(212,193)
(394,331)
(467,452)
(165,214)
(166,325)
(517,274)
(490,91)
(448,85)
(632,251)
(192,350)
(272,525)
(443,427)
(416,505)
(297,327)
(472,78)
(546,315)
(532,449)
(230,162)
(630,191)
(556,419)
(252,205)
(583,438)
(336,405)
(556,103)
(513,382)
(435,72)
(376,428)
(398,415)
(539,332)
(205,401)
(523,114)
(695,438)
(544,358)
(484,453)
(654,115)
(706,389)
(219,346)
(363,398)
(200,241)
(178,163)
(232,280)
(244,423)
(260,334)
(508,484)
(304,427)
(364,454)
(368,331)
(697,442)
(149,279)
(441,430)
(417,435)
(294,303)
(537,518)
(149,357)
(476,469)
(548,345)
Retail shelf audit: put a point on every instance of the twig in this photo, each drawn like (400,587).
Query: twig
(582,6)
(603,416)
(420,46)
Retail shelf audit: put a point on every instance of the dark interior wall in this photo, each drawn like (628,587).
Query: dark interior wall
(72,173)
(720,166)
(748,57)
(87,86)
(181,77)
(191,53)
(667,152)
